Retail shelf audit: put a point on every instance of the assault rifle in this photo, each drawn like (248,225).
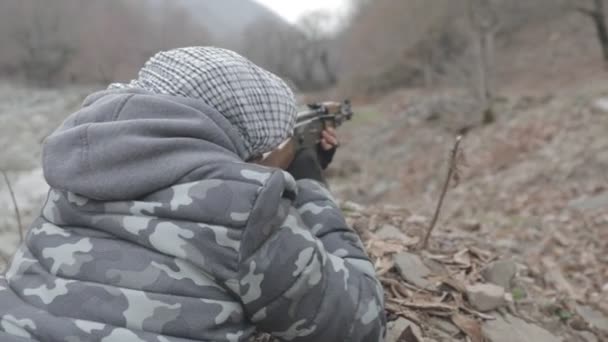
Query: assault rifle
(319,116)
(307,132)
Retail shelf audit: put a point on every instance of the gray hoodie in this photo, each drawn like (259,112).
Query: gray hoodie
(156,230)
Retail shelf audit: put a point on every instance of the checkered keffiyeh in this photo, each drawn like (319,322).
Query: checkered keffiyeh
(258,103)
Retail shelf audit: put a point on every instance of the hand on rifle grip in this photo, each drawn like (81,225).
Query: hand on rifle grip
(329,139)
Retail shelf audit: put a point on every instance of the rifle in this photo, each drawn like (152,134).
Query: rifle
(307,131)
(319,116)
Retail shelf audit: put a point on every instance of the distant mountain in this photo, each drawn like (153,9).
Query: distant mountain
(226,19)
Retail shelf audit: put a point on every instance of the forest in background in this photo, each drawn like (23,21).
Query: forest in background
(519,248)
(370,47)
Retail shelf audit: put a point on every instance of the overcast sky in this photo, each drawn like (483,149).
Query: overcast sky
(292,9)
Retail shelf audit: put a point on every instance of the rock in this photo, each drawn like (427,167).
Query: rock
(513,329)
(575,322)
(396,328)
(594,317)
(486,297)
(500,273)
(440,336)
(471,226)
(361,226)
(605,288)
(600,106)
(510,244)
(412,269)
(381,188)
(588,336)
(389,232)
(445,326)
(590,203)
(417,219)
(352,206)
(437,268)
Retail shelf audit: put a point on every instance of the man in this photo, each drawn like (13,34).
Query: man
(162,224)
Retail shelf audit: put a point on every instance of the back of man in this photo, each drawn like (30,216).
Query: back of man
(156,229)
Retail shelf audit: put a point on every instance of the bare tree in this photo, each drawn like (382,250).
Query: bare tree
(597,13)
(396,43)
(485,23)
(318,36)
(276,47)
(44,40)
(89,41)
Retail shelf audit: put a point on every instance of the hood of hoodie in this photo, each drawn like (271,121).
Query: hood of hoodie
(124,144)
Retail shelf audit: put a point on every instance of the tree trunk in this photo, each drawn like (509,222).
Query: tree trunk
(485,23)
(598,15)
(489,63)
(332,79)
(602,30)
(482,69)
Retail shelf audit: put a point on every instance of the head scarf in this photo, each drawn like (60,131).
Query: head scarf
(258,103)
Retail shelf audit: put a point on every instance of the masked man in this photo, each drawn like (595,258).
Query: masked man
(163,223)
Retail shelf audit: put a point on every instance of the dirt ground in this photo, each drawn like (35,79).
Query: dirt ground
(532,188)
(532,192)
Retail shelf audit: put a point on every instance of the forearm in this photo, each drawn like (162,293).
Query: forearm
(306,165)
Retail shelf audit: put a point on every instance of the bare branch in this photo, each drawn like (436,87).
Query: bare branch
(15,206)
(598,16)
(584,10)
(452,167)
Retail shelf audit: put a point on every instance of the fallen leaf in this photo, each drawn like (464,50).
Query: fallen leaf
(463,258)
(379,248)
(439,309)
(454,284)
(483,255)
(558,279)
(409,335)
(469,326)
(397,287)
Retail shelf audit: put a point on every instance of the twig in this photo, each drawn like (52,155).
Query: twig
(15,206)
(584,11)
(437,309)
(452,167)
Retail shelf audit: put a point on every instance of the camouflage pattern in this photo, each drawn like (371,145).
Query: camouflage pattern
(230,249)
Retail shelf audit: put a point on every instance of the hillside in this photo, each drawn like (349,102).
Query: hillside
(528,212)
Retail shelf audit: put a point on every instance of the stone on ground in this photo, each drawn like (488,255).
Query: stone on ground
(594,317)
(445,326)
(590,203)
(412,269)
(352,206)
(513,329)
(500,273)
(471,226)
(389,232)
(486,297)
(600,106)
(588,336)
(417,219)
(396,328)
